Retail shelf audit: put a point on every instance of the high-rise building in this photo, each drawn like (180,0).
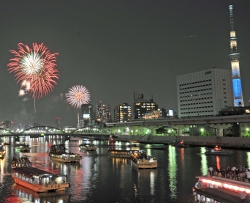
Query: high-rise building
(142,107)
(103,114)
(235,64)
(87,114)
(123,113)
(204,93)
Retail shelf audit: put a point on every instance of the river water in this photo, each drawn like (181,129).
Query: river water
(101,178)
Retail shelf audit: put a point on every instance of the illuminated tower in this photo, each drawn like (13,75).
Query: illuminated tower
(235,64)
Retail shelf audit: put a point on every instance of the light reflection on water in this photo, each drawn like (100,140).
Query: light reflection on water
(172,170)
(204,166)
(101,178)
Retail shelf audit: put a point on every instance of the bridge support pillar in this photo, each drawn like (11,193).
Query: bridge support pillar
(220,128)
(152,132)
(179,129)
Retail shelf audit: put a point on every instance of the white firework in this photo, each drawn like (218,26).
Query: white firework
(25,87)
(31,63)
(78,95)
(21,92)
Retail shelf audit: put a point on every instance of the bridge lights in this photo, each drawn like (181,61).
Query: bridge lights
(202,131)
(247,132)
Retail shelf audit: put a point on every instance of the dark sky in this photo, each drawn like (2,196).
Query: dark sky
(118,47)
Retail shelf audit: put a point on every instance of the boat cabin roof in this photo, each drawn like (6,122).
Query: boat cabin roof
(31,171)
(219,195)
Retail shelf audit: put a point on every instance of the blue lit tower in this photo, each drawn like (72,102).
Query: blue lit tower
(235,64)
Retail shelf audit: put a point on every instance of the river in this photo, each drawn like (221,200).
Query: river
(101,178)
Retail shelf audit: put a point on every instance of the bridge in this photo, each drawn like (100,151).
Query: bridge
(138,127)
(50,130)
(175,127)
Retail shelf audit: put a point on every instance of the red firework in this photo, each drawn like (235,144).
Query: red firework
(37,66)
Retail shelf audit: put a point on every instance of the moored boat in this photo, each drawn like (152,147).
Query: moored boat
(120,153)
(58,153)
(88,147)
(142,160)
(217,150)
(36,179)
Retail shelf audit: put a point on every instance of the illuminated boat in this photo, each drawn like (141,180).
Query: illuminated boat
(143,161)
(120,153)
(36,179)
(23,147)
(58,153)
(221,190)
(32,196)
(88,147)
(180,144)
(218,151)
(2,151)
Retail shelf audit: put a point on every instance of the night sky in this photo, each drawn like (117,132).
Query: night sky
(115,48)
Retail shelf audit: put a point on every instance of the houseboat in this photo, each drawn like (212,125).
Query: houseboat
(141,160)
(58,153)
(88,147)
(36,179)
(120,153)
(32,196)
(220,190)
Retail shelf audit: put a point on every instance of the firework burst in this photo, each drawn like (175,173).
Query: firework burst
(36,66)
(78,95)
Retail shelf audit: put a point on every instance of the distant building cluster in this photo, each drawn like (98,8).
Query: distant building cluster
(141,109)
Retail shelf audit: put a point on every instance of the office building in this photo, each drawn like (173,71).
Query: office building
(142,107)
(204,93)
(123,113)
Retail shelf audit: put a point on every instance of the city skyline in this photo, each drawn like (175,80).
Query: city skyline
(118,48)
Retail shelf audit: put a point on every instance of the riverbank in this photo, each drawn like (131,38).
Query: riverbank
(225,142)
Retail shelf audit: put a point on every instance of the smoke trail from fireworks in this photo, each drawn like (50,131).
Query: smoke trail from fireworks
(78,95)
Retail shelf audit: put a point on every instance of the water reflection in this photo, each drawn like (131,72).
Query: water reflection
(28,195)
(2,166)
(147,179)
(172,171)
(218,162)
(204,166)
(248,159)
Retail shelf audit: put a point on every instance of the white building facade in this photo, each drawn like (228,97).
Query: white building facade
(204,93)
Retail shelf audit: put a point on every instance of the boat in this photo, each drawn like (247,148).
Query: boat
(2,151)
(217,189)
(58,153)
(141,160)
(180,144)
(217,150)
(120,153)
(55,196)
(88,147)
(23,147)
(36,179)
